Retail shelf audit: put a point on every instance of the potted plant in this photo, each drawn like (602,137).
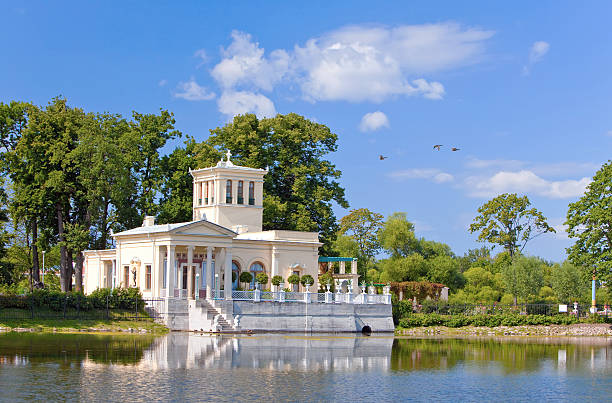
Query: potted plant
(293,279)
(262,278)
(277,280)
(246,277)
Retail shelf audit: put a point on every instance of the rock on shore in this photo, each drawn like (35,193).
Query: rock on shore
(578,329)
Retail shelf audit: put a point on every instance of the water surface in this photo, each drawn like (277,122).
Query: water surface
(189,367)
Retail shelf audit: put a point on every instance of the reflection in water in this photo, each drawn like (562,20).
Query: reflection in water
(282,353)
(190,367)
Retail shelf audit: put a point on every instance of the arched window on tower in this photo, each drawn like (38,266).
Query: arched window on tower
(228,191)
(251,193)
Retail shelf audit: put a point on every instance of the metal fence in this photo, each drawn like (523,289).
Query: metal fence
(580,310)
(146,309)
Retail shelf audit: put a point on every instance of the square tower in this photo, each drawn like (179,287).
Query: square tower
(229,195)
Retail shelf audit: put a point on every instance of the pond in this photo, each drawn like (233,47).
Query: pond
(192,367)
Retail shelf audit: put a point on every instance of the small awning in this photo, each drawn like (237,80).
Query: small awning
(323,259)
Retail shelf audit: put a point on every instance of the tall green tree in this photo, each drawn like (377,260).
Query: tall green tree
(397,236)
(363,225)
(589,221)
(301,186)
(151,133)
(567,283)
(524,277)
(509,221)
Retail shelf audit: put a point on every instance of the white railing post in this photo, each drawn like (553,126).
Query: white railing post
(257,293)
(349,294)
(281,295)
(307,296)
(328,295)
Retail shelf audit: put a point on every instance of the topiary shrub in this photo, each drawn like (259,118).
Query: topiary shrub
(246,277)
(307,280)
(276,280)
(293,279)
(262,278)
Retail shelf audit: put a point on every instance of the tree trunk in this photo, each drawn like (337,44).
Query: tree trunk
(515,302)
(104,235)
(69,261)
(65,270)
(78,272)
(35,261)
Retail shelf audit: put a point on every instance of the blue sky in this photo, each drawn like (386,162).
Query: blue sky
(522,88)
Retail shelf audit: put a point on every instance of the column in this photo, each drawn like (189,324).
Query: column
(159,273)
(227,284)
(342,267)
(354,266)
(209,273)
(190,273)
(275,254)
(170,271)
(218,259)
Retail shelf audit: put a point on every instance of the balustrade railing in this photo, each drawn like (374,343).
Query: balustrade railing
(293,296)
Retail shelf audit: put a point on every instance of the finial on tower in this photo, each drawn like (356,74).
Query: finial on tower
(228,154)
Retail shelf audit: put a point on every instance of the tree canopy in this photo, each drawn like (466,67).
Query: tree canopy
(509,221)
(589,220)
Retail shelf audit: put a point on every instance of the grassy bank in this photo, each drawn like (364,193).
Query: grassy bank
(82,325)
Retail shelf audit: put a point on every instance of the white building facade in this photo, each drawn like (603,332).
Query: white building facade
(203,258)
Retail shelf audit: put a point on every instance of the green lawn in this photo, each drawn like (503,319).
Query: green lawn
(49,321)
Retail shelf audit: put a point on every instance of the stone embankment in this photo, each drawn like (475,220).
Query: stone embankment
(579,329)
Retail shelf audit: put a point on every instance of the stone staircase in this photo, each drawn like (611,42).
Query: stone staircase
(210,312)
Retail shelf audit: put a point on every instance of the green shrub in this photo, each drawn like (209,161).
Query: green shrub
(293,279)
(506,319)
(262,278)
(307,279)
(246,277)
(276,280)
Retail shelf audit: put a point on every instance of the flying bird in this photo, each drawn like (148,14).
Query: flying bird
(455,149)
(380,157)
(437,147)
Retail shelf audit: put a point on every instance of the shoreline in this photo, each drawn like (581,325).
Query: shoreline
(574,330)
(142,327)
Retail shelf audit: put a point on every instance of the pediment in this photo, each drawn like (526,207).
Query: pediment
(203,228)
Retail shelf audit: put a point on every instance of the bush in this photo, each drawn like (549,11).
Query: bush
(424,320)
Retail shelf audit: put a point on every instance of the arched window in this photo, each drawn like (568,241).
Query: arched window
(228,191)
(240,192)
(205,184)
(255,269)
(236,270)
(252,193)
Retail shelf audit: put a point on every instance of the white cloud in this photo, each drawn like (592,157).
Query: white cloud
(232,103)
(538,50)
(609,133)
(355,63)
(244,63)
(192,91)
(559,225)
(201,54)
(536,54)
(162,83)
(373,121)
(525,181)
(433,174)
(548,169)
